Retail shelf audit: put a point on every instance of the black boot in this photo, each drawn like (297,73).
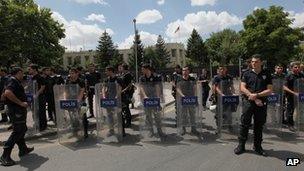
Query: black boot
(259,150)
(23,149)
(6,159)
(240,149)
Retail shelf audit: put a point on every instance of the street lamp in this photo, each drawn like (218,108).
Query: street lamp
(135,51)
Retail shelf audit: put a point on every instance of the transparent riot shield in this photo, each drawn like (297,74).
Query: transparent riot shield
(152,111)
(69,118)
(32,120)
(299,106)
(275,106)
(189,108)
(108,112)
(228,109)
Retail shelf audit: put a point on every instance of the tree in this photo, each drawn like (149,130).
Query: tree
(29,34)
(268,32)
(140,52)
(225,47)
(107,53)
(150,57)
(162,55)
(196,50)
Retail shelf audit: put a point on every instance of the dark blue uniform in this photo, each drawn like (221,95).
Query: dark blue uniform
(255,83)
(17,115)
(91,79)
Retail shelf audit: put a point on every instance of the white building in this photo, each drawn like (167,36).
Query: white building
(83,58)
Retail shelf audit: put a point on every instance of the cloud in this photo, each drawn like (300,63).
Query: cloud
(160,2)
(96,17)
(102,2)
(149,16)
(79,34)
(202,2)
(298,19)
(204,22)
(147,39)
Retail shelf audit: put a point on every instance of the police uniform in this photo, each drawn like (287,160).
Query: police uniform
(49,93)
(255,83)
(281,77)
(111,93)
(91,79)
(290,80)
(225,83)
(149,86)
(18,116)
(125,81)
(41,101)
(205,89)
(85,122)
(58,79)
(187,89)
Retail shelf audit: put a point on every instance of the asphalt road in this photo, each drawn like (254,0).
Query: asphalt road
(176,153)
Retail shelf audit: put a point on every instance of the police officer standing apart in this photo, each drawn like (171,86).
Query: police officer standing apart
(256,85)
(33,71)
(92,77)
(17,103)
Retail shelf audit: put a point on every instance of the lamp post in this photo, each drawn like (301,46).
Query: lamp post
(135,51)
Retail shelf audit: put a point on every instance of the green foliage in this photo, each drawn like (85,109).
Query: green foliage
(268,33)
(225,47)
(140,52)
(162,55)
(107,53)
(29,34)
(196,51)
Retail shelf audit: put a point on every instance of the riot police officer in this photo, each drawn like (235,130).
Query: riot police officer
(204,80)
(227,82)
(33,71)
(111,92)
(176,76)
(256,85)
(153,90)
(125,81)
(75,79)
(185,89)
(17,103)
(290,92)
(92,77)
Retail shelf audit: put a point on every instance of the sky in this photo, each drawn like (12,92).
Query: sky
(85,20)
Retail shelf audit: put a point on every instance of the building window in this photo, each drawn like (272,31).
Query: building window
(87,58)
(69,60)
(77,60)
(181,53)
(173,53)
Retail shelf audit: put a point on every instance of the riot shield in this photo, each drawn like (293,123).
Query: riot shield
(189,108)
(275,106)
(108,112)
(299,106)
(69,118)
(228,109)
(152,111)
(32,119)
